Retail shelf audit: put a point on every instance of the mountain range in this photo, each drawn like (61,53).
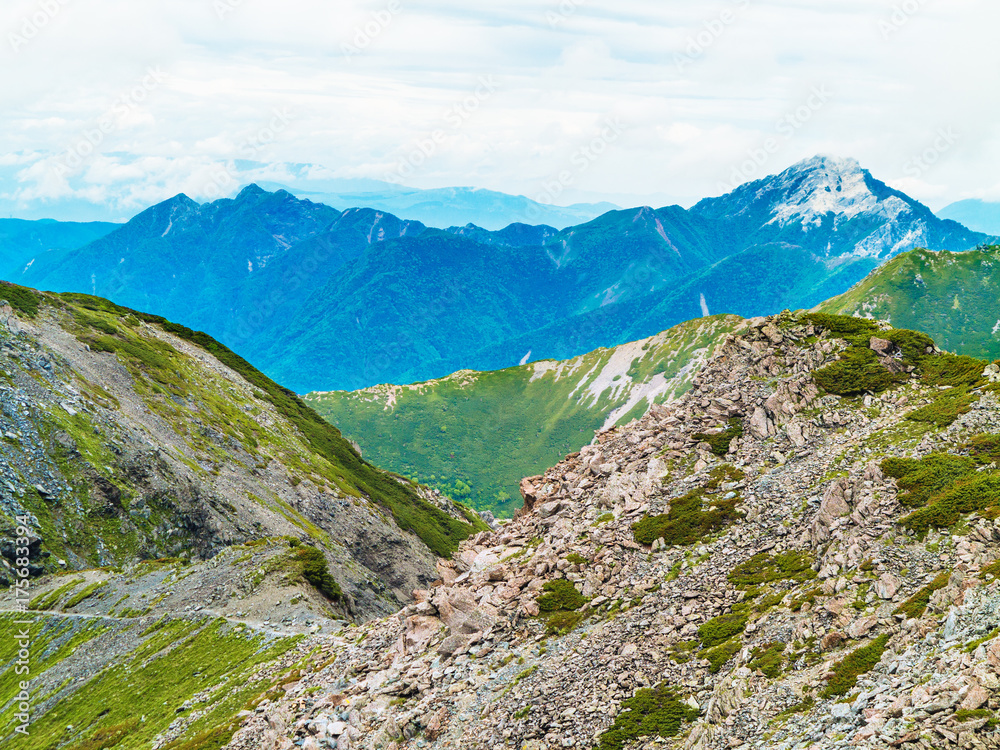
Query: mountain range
(978,215)
(23,242)
(115,200)
(325,300)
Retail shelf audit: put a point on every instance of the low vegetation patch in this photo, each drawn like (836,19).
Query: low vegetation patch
(917,604)
(841,325)
(651,712)
(24,300)
(718,656)
(858,662)
(722,628)
(943,487)
(953,370)
(766,568)
(769,659)
(946,408)
(314,569)
(560,595)
(857,371)
(924,478)
(698,514)
(720,441)
(980,494)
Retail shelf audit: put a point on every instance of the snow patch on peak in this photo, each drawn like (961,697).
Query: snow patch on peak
(822,185)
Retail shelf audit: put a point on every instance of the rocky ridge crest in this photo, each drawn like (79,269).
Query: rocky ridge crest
(739,550)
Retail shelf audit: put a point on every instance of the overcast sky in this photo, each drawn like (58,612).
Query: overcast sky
(669,101)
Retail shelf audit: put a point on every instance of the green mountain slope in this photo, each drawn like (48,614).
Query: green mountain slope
(954,297)
(126,437)
(474,435)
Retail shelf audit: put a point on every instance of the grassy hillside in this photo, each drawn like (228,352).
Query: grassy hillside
(954,297)
(474,435)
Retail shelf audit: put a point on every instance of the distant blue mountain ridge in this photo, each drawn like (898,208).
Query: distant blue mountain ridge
(324,299)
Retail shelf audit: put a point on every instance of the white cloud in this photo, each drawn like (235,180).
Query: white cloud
(696,87)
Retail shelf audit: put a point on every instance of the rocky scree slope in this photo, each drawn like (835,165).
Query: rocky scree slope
(444,433)
(125,437)
(763,563)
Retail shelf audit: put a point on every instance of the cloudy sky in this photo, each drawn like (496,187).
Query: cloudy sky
(127,103)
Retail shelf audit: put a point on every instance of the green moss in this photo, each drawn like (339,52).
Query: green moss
(799,708)
(48,601)
(560,595)
(766,568)
(561,623)
(314,569)
(722,628)
(769,659)
(577,559)
(656,712)
(968,714)
(917,604)
(971,647)
(993,569)
(858,662)
(721,441)
(696,515)
(682,651)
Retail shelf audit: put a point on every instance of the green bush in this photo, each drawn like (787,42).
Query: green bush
(718,656)
(981,493)
(924,478)
(917,604)
(765,568)
(841,325)
(651,712)
(315,570)
(722,628)
(857,371)
(858,662)
(946,408)
(24,300)
(688,521)
(953,370)
(721,441)
(560,595)
(913,344)
(985,449)
(769,659)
